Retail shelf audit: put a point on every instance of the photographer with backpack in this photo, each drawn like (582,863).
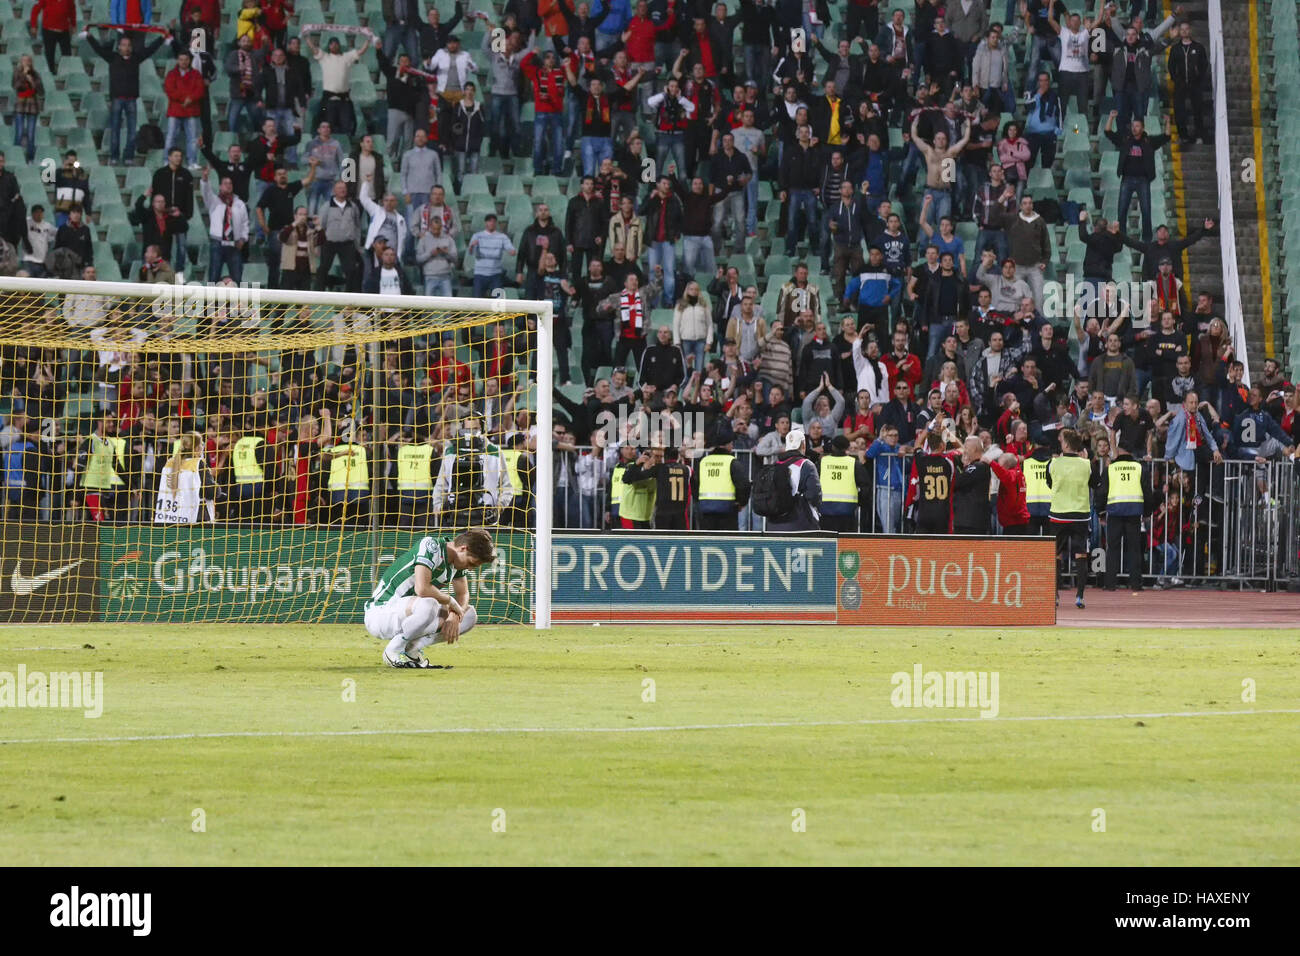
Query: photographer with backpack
(474,483)
(788,491)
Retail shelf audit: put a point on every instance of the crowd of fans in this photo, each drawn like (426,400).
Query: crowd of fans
(838,222)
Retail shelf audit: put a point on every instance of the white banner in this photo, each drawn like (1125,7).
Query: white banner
(1223,169)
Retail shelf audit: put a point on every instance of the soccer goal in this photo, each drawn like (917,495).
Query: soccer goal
(198,452)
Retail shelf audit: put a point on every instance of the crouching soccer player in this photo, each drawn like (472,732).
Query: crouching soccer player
(423,597)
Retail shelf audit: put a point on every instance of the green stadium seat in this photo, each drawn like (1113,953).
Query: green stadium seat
(775,265)
(56,99)
(519,209)
(1041,179)
(480,206)
(79,413)
(138,180)
(110,209)
(745,264)
(1078,179)
(1077,142)
(63,121)
(1081,196)
(475,184)
(76,83)
(509,185)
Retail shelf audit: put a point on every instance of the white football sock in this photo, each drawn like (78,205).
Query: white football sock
(422,615)
(434,636)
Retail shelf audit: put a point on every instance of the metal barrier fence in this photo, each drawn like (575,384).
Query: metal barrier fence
(1235,521)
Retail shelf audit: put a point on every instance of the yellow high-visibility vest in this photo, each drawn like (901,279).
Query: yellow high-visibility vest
(512,456)
(106,456)
(715,479)
(413,472)
(244,456)
(638,501)
(1036,489)
(839,483)
(1070,475)
(348,469)
(616,485)
(1124,478)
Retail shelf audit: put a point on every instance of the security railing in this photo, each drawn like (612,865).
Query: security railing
(1235,522)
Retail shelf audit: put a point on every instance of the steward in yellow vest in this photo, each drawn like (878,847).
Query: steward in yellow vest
(349,483)
(104,458)
(626,455)
(248,472)
(721,482)
(843,477)
(1038,494)
(1126,488)
(519,471)
(414,483)
(636,499)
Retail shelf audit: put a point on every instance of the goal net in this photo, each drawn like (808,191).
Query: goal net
(216,453)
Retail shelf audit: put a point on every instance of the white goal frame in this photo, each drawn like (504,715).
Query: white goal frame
(544,310)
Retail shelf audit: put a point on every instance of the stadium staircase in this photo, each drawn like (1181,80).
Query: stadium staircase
(1246,118)
(1278,76)
(1193,193)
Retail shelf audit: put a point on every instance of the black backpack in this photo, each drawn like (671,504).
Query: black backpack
(773,492)
(467,483)
(149,137)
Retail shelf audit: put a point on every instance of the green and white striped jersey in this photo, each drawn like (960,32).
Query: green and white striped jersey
(399,579)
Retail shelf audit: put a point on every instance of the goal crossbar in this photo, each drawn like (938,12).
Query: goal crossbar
(257,322)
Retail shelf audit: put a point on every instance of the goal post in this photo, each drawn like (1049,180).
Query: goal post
(218,452)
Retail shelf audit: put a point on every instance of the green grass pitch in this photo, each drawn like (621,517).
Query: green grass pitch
(542,748)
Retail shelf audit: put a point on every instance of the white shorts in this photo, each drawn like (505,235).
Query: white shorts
(384,621)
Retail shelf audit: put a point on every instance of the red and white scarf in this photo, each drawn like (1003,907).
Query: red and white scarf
(632,315)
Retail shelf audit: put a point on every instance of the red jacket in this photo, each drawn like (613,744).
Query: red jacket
(276,13)
(60,15)
(551,13)
(179,88)
(908,369)
(447,371)
(548,85)
(1012,506)
(640,45)
(209,12)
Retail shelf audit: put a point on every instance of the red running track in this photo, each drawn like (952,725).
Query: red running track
(1180,607)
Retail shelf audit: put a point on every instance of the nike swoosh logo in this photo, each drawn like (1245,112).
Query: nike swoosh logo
(25,587)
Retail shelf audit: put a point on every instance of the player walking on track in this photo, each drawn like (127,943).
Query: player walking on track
(931,487)
(423,597)
(672,487)
(1070,477)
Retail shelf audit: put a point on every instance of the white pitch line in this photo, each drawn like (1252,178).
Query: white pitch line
(634,730)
